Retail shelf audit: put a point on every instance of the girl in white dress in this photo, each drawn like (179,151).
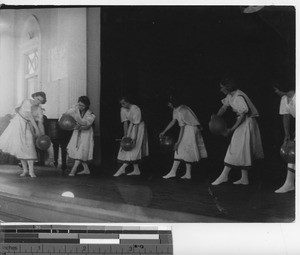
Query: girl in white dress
(245,145)
(135,128)
(288,110)
(18,139)
(190,146)
(81,144)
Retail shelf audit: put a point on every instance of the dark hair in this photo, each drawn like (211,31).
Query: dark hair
(229,83)
(125,98)
(284,86)
(85,100)
(175,100)
(41,94)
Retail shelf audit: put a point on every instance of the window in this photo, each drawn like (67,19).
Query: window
(31,72)
(32,62)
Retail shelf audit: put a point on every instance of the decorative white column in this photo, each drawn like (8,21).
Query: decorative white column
(94,61)
(7,67)
(94,72)
(76,37)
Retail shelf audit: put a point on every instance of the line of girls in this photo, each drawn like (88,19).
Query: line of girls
(18,139)
(244,148)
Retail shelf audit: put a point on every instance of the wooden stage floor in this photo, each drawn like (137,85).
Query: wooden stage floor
(104,198)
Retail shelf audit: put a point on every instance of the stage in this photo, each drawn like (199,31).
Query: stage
(103,198)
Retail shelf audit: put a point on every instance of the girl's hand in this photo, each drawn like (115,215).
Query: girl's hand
(213,116)
(77,127)
(133,143)
(162,134)
(78,113)
(287,138)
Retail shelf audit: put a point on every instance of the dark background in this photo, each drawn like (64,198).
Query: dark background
(151,52)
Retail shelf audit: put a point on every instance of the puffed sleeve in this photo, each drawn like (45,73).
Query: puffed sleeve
(123,115)
(284,107)
(241,105)
(25,109)
(26,106)
(225,101)
(136,115)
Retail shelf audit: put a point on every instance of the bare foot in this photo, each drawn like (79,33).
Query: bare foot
(84,172)
(242,182)
(285,188)
(135,173)
(169,175)
(119,172)
(72,173)
(220,180)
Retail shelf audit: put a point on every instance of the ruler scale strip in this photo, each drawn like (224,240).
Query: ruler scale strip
(85,240)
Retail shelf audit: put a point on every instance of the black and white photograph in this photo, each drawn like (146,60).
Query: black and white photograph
(148,114)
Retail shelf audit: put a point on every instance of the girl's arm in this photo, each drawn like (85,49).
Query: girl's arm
(179,138)
(125,128)
(222,110)
(33,123)
(286,127)
(238,122)
(41,126)
(135,126)
(84,127)
(170,125)
(40,121)
(84,122)
(26,112)
(79,120)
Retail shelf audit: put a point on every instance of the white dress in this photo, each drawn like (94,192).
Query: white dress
(18,138)
(136,127)
(81,144)
(288,106)
(191,148)
(245,145)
